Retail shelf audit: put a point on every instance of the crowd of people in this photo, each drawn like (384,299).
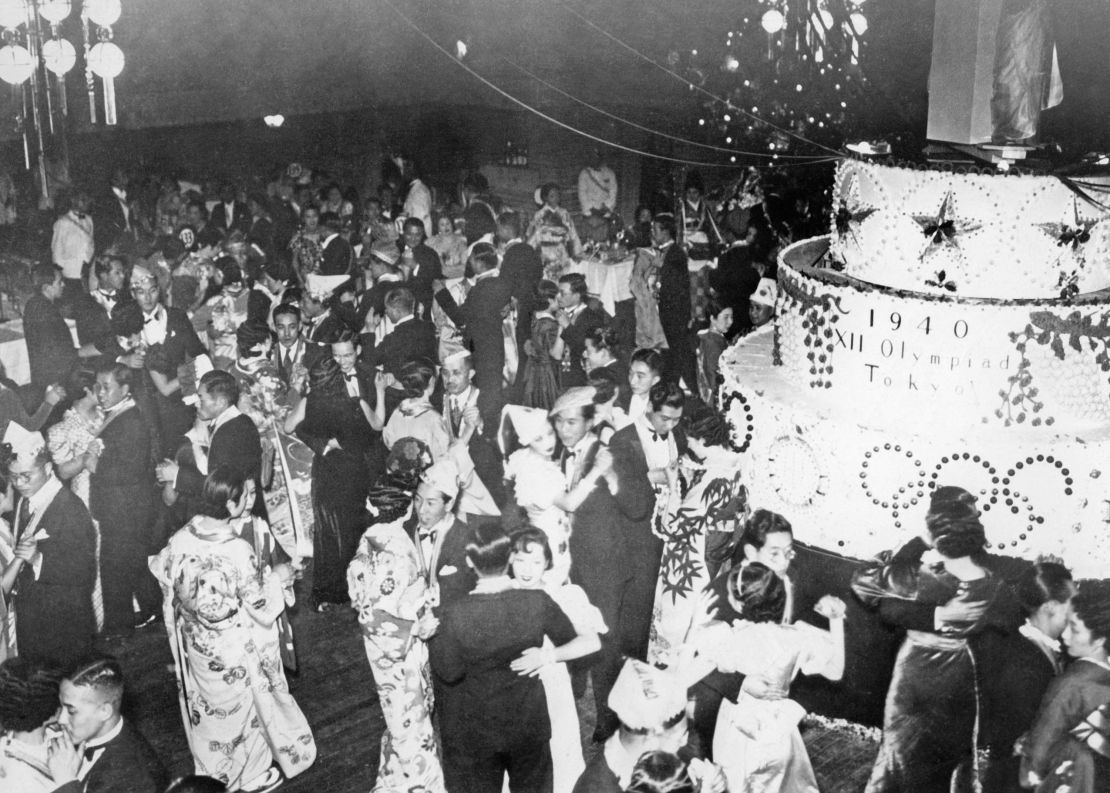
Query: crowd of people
(531,502)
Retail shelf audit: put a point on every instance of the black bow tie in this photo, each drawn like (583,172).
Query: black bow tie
(90,752)
(80,215)
(107,295)
(660,436)
(351,376)
(152,318)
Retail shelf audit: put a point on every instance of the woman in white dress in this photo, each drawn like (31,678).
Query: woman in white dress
(530,564)
(757,742)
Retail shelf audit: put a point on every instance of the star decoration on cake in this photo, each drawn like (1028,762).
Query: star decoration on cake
(1070,235)
(851,210)
(943,229)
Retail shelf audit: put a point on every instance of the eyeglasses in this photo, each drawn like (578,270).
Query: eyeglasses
(23,477)
(782,553)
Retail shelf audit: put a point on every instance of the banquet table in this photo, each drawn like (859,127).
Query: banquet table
(609,281)
(13,350)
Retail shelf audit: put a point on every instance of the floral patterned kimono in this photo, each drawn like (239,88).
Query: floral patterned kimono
(553,234)
(387,583)
(239,715)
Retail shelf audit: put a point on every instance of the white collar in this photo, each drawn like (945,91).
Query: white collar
(124,404)
(405,318)
(618,759)
(496,271)
(330,237)
(583,445)
(1040,638)
(156,313)
(109,736)
(232,412)
(665,245)
(38,503)
(121,194)
(463,398)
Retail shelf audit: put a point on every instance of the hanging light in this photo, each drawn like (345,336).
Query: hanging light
(826,18)
(54,11)
(274,121)
(859,23)
(15,64)
(731,63)
(59,56)
(106,60)
(13,13)
(104,12)
(773,20)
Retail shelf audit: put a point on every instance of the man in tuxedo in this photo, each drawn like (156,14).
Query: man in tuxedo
(596,539)
(115,757)
(321,316)
(674,304)
(440,537)
(113,219)
(411,338)
(55,557)
(233,440)
(578,320)
(463,422)
(93,311)
(230,215)
(50,349)
(600,353)
(171,333)
(337,252)
(493,719)
(735,278)
(522,268)
(207,233)
(645,459)
(121,499)
(481,318)
(421,263)
(289,351)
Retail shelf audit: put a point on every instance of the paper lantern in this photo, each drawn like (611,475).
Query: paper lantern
(106,60)
(59,56)
(13,13)
(859,23)
(103,12)
(54,11)
(15,64)
(773,21)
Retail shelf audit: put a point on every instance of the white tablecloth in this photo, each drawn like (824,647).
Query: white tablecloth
(13,349)
(608,281)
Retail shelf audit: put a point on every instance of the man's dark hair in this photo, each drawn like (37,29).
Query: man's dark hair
(666,222)
(103,264)
(120,372)
(401,299)
(219,383)
(489,548)
(198,205)
(666,394)
(44,275)
(414,223)
(651,358)
(510,222)
(287,308)
(484,254)
(102,674)
(331,221)
(577,283)
(604,337)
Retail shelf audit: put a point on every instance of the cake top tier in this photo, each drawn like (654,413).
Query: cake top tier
(971,235)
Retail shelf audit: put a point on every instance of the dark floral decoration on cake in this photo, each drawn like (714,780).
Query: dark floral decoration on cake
(1019,400)
(1068,283)
(941,281)
(820,312)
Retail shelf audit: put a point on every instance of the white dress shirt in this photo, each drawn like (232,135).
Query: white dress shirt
(72,244)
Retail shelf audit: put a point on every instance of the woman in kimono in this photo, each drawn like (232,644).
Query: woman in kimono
(757,742)
(389,589)
(221,610)
(530,565)
(696,515)
(553,234)
(945,603)
(415,417)
(1069,745)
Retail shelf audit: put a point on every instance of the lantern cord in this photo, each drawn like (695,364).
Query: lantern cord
(685,141)
(553,120)
(691,85)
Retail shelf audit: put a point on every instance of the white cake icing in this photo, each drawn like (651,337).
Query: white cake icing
(990,235)
(864,396)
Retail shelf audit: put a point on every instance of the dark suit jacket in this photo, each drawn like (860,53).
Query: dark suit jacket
(453,586)
(240,222)
(574,336)
(94,325)
(480,319)
(121,492)
(56,621)
(50,347)
(235,443)
(126,764)
(674,291)
(487,707)
(1014,676)
(109,222)
(523,269)
(261,233)
(338,256)
(735,280)
(408,341)
(429,268)
(210,235)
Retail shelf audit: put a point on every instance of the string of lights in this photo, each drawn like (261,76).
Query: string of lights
(676,138)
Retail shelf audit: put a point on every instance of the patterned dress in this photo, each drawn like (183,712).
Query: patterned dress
(389,589)
(308,251)
(553,234)
(239,715)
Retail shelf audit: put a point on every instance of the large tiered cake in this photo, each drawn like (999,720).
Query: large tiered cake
(951,329)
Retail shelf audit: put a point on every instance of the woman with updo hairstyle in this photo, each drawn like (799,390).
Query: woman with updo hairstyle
(543,350)
(946,606)
(415,417)
(1068,748)
(221,612)
(660,772)
(552,232)
(28,702)
(698,517)
(337,429)
(756,741)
